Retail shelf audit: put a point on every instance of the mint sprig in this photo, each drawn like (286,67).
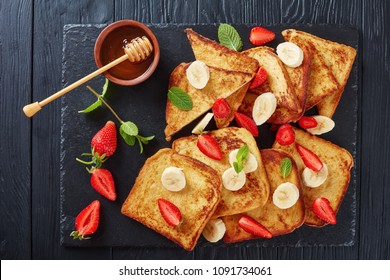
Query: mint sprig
(229,37)
(241,157)
(180,98)
(285,167)
(98,102)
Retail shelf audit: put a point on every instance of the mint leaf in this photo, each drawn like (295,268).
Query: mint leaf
(129,128)
(229,37)
(105,87)
(180,98)
(145,140)
(286,167)
(129,139)
(238,167)
(242,154)
(98,102)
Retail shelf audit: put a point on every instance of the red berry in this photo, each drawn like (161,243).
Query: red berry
(250,225)
(170,213)
(307,122)
(87,221)
(260,77)
(260,36)
(310,159)
(104,141)
(285,135)
(221,108)
(323,210)
(103,182)
(246,122)
(208,146)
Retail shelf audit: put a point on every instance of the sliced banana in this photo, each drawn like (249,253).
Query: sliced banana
(250,164)
(314,179)
(173,179)
(199,128)
(214,230)
(324,125)
(233,181)
(198,74)
(264,107)
(285,195)
(290,54)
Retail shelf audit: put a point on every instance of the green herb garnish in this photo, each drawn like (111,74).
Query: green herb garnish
(241,157)
(98,102)
(229,37)
(286,167)
(180,98)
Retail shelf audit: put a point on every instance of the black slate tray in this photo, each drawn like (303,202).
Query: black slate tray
(144,104)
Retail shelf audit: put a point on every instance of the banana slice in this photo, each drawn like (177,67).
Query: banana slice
(314,179)
(198,74)
(250,164)
(173,179)
(199,128)
(233,181)
(214,230)
(290,54)
(324,125)
(264,107)
(285,195)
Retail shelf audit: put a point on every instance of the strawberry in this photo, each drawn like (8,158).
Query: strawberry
(221,108)
(209,147)
(103,182)
(323,210)
(285,135)
(260,77)
(169,212)
(250,225)
(307,122)
(87,221)
(246,122)
(260,36)
(309,158)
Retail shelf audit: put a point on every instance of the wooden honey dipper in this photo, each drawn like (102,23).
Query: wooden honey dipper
(136,51)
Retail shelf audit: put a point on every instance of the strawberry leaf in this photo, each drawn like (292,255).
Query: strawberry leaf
(180,98)
(286,167)
(229,37)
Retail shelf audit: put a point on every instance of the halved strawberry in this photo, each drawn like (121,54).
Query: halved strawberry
(260,36)
(169,212)
(246,122)
(221,108)
(285,135)
(260,77)
(323,210)
(103,182)
(87,221)
(310,159)
(307,122)
(209,147)
(250,225)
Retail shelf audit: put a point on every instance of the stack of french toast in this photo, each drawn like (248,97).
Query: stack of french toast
(219,182)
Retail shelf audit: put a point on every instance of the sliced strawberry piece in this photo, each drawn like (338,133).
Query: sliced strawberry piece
(307,122)
(209,147)
(221,108)
(87,221)
(103,182)
(260,36)
(310,159)
(260,77)
(323,210)
(250,225)
(246,122)
(169,212)
(285,135)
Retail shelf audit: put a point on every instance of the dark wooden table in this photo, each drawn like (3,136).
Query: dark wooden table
(30,68)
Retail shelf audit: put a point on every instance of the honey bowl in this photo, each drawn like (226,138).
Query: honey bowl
(109,46)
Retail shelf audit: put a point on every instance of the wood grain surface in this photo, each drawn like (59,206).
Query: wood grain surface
(30,70)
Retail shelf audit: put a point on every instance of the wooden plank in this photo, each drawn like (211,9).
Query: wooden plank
(375,194)
(49,19)
(146,11)
(15,179)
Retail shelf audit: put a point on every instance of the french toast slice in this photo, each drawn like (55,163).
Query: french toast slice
(277,221)
(278,81)
(221,84)
(256,189)
(197,201)
(338,57)
(214,54)
(339,162)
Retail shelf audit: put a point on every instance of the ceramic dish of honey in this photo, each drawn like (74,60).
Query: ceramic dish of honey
(110,45)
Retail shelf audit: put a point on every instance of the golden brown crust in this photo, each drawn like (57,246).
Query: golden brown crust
(197,201)
(339,162)
(277,221)
(256,190)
